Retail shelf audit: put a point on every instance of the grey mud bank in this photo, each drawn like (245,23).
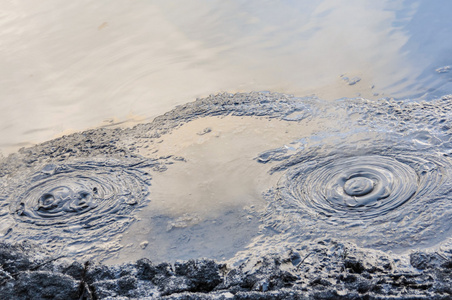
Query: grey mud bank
(349,199)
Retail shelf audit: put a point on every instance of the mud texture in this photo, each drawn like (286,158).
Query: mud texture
(359,212)
(390,196)
(326,270)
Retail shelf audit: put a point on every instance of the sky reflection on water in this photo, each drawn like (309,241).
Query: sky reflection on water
(72,66)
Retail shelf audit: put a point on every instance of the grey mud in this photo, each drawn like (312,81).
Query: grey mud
(252,195)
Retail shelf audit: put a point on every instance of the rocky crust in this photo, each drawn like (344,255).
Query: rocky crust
(327,270)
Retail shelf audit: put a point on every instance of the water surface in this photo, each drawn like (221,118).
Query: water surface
(71,66)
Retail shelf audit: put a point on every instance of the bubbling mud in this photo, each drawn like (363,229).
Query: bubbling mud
(353,187)
(373,173)
(83,204)
(387,197)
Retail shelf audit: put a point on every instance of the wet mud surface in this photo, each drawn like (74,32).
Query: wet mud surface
(252,196)
(71,206)
(389,197)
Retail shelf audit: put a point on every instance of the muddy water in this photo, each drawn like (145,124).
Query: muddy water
(234,176)
(228,176)
(86,64)
(208,204)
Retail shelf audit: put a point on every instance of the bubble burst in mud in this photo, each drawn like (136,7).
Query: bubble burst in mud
(390,197)
(77,206)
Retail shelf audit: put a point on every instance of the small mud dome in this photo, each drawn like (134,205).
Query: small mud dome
(294,196)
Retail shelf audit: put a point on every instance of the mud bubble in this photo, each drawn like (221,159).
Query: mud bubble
(353,187)
(74,207)
(388,196)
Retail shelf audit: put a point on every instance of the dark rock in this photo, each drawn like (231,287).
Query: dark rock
(447,264)
(164,269)
(249,281)
(287,277)
(126,283)
(40,285)
(270,277)
(387,266)
(172,285)
(354,266)
(423,261)
(347,278)
(99,272)
(13,259)
(320,281)
(363,287)
(75,270)
(203,274)
(145,269)
(105,289)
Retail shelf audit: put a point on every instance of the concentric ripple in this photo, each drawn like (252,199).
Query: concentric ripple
(388,197)
(361,186)
(76,203)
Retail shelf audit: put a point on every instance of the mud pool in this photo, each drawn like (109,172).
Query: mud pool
(239,177)
(128,187)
